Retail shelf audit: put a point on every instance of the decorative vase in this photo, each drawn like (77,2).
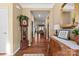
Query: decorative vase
(76,38)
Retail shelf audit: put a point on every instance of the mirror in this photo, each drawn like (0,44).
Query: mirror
(68,14)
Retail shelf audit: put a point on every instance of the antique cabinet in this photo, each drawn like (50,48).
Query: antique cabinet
(58,48)
(55,49)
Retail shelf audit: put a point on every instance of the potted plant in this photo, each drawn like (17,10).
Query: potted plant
(23,20)
(76,35)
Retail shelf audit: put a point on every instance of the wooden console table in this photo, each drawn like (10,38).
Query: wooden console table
(61,47)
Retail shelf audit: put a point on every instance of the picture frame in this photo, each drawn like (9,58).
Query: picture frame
(64,34)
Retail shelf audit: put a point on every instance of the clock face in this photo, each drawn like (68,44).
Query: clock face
(24,22)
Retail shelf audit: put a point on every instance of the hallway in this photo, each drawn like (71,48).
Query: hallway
(39,47)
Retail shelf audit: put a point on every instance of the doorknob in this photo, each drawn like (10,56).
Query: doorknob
(5,33)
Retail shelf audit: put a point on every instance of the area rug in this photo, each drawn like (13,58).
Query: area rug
(33,55)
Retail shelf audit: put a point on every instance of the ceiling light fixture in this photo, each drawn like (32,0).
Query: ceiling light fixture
(39,15)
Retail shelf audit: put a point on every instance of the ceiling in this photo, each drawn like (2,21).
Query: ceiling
(40,16)
(37,5)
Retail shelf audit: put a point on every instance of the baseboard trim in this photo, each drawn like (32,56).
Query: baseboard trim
(16,51)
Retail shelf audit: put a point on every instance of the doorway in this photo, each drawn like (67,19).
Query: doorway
(40,23)
(3,30)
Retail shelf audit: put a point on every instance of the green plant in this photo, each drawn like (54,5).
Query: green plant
(75,31)
(22,17)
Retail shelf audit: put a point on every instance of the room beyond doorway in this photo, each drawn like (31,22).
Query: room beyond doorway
(39,27)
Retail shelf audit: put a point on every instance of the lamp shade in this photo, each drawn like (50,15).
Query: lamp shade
(56,27)
(77,26)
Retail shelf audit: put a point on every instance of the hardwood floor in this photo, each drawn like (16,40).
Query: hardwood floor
(2,54)
(38,47)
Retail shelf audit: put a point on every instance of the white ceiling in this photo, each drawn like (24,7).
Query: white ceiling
(37,5)
(40,16)
(43,14)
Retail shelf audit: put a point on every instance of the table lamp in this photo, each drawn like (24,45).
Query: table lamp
(56,27)
(77,26)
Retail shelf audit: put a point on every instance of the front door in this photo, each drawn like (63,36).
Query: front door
(3,30)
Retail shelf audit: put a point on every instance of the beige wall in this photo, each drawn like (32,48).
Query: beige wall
(17,10)
(55,17)
(57,13)
(77,12)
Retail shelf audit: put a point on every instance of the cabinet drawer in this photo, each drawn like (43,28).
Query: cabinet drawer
(66,50)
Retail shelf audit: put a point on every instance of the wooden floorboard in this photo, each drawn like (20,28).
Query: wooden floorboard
(2,54)
(41,46)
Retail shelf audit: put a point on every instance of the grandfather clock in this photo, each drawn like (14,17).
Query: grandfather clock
(24,33)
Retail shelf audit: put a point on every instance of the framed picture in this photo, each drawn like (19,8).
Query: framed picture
(64,34)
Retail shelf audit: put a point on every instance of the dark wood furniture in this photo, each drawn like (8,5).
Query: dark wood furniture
(24,37)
